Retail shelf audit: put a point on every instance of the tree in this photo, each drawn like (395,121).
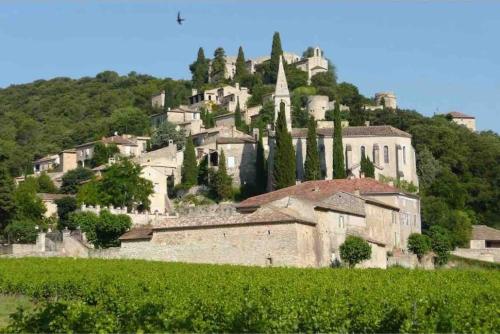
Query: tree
(28,204)
(203,173)
(65,206)
(72,179)
(167,132)
(219,66)
(312,170)
(367,167)
(237,117)
(419,244)
(45,184)
(222,183)
(189,167)
(199,70)
(276,53)
(22,230)
(284,156)
(354,250)
(260,166)
(295,77)
(129,120)
(7,203)
(339,171)
(241,67)
(102,153)
(89,193)
(323,79)
(440,243)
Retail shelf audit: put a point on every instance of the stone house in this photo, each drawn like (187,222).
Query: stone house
(318,105)
(462,119)
(313,65)
(484,244)
(299,226)
(226,97)
(158,100)
(49,201)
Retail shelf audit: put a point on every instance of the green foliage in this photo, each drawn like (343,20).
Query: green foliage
(86,222)
(73,178)
(300,115)
(164,133)
(218,66)
(241,67)
(367,167)
(237,117)
(22,230)
(129,120)
(284,154)
(260,166)
(355,250)
(339,171)
(199,70)
(28,204)
(349,95)
(45,184)
(117,296)
(7,202)
(419,244)
(207,118)
(189,165)
(323,79)
(312,170)
(405,186)
(203,175)
(222,182)
(266,115)
(276,53)
(102,153)
(65,206)
(441,244)
(295,77)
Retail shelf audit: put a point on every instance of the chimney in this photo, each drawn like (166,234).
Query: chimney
(367,123)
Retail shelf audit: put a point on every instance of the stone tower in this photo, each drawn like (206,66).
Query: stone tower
(282,95)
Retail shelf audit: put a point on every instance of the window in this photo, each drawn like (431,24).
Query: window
(386,154)
(230,162)
(362,151)
(404,154)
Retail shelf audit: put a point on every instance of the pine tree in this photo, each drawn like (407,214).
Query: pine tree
(284,158)
(312,170)
(199,70)
(276,53)
(222,181)
(260,166)
(219,66)
(367,167)
(189,166)
(7,204)
(339,171)
(241,67)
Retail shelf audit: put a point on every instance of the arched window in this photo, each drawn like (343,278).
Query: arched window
(404,154)
(362,151)
(386,154)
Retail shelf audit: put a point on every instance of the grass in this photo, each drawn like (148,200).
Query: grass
(9,304)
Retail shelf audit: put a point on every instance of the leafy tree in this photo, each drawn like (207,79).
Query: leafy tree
(7,202)
(260,166)
(312,170)
(222,182)
(300,115)
(189,166)
(28,204)
(440,243)
(73,178)
(86,221)
(295,77)
(45,184)
(102,153)
(367,167)
(89,193)
(348,94)
(354,250)
(284,155)
(323,79)
(164,133)
(203,173)
(276,53)
(199,70)
(109,228)
(65,206)
(129,120)
(22,230)
(428,167)
(339,171)
(207,118)
(219,66)
(419,244)
(241,67)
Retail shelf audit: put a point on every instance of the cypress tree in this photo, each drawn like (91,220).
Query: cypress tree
(276,53)
(339,171)
(312,170)
(7,204)
(367,167)
(203,171)
(237,117)
(260,166)
(222,181)
(189,167)
(241,67)
(284,158)
(199,69)
(219,65)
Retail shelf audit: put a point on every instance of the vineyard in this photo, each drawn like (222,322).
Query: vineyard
(138,296)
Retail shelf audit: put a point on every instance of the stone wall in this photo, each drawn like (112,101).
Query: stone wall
(137,218)
(485,254)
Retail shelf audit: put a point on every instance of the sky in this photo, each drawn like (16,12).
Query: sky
(435,56)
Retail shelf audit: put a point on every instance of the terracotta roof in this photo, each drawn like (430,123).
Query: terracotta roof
(235,140)
(46,158)
(120,140)
(483,232)
(458,114)
(320,190)
(52,197)
(138,233)
(356,131)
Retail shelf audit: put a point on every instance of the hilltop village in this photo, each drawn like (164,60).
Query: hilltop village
(269,175)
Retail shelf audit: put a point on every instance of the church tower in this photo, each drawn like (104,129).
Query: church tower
(282,95)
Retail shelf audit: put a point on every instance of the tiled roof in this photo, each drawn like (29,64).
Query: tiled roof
(356,131)
(120,140)
(320,190)
(458,114)
(47,158)
(235,140)
(138,233)
(483,232)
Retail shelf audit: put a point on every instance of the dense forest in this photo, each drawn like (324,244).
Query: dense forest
(459,170)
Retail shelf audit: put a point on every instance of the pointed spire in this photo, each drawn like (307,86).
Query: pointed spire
(281,83)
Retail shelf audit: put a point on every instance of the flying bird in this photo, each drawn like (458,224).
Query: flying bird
(179,18)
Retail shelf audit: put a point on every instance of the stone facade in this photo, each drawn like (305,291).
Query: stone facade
(158,100)
(318,105)
(462,119)
(389,99)
(315,64)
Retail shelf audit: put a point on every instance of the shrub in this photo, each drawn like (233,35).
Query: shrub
(354,250)
(441,244)
(65,206)
(419,244)
(22,231)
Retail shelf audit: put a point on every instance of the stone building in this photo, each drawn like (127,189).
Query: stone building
(158,100)
(299,226)
(462,119)
(281,95)
(484,244)
(313,65)
(388,99)
(226,97)
(318,105)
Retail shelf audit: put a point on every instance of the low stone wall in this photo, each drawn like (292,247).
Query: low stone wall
(410,261)
(485,254)
(137,218)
